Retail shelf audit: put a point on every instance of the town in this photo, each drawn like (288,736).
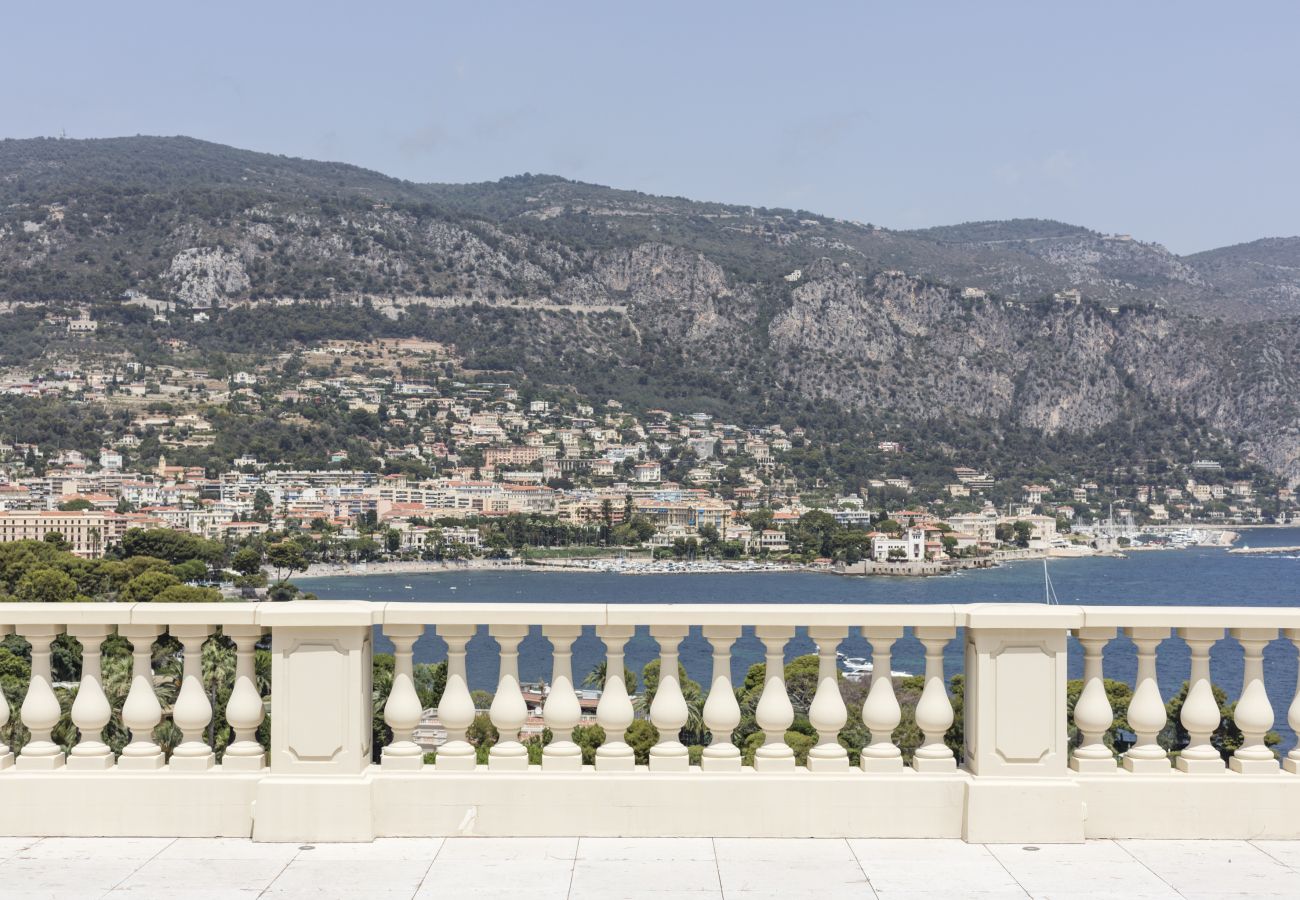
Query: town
(439,464)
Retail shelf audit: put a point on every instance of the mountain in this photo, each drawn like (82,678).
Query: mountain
(668,300)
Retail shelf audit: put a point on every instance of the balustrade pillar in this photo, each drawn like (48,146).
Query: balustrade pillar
(245,710)
(509,711)
(40,710)
(880,710)
(1093,715)
(1253,713)
(141,712)
(934,710)
(456,708)
(90,710)
(1146,711)
(614,712)
(668,711)
(1292,761)
(402,711)
(1200,715)
(827,712)
(721,711)
(6,755)
(774,713)
(562,711)
(192,711)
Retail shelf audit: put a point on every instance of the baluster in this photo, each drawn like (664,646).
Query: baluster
(934,709)
(721,711)
(509,711)
(245,710)
(668,711)
(402,711)
(774,713)
(1253,713)
(90,710)
(561,711)
(1292,761)
(456,708)
(1200,714)
(827,712)
(6,755)
(141,712)
(880,710)
(614,712)
(1146,711)
(192,711)
(40,710)
(1093,715)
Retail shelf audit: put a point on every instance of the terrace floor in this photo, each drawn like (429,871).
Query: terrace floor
(612,868)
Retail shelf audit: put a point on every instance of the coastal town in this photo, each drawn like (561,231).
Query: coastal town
(441,465)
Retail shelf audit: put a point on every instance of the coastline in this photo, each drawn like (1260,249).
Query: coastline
(1223,537)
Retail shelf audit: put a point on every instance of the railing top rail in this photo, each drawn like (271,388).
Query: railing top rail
(332,613)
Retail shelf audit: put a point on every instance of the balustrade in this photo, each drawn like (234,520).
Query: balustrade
(1014,709)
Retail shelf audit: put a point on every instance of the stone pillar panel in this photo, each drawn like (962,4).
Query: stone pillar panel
(320,702)
(1015,702)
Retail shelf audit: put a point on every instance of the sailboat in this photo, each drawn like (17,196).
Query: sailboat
(1049,592)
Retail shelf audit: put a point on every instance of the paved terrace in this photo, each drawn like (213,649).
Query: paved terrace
(612,868)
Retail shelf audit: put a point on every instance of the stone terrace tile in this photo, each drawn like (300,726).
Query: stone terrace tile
(789,868)
(1216,868)
(349,878)
(611,879)
(481,878)
(1079,870)
(912,867)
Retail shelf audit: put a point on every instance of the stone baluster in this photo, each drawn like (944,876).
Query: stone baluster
(934,709)
(721,711)
(402,711)
(1253,713)
(456,708)
(827,712)
(668,711)
(614,712)
(141,712)
(6,755)
(1292,761)
(1200,715)
(880,710)
(562,711)
(1146,711)
(90,710)
(509,711)
(40,710)
(245,710)
(192,711)
(774,713)
(1093,715)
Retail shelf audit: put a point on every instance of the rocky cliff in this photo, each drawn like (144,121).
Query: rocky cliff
(616,290)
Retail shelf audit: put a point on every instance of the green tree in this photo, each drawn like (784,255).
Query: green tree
(285,557)
(145,587)
(45,585)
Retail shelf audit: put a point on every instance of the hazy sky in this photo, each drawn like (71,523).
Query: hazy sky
(1176,122)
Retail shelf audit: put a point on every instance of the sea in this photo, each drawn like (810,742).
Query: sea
(1197,576)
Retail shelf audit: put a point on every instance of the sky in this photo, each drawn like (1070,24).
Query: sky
(1173,122)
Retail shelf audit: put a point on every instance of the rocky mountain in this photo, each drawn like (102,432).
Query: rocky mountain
(670,300)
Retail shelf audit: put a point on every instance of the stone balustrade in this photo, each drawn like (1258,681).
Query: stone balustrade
(1025,770)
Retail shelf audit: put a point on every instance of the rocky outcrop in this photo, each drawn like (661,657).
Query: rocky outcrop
(206,276)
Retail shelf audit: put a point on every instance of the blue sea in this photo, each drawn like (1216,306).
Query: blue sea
(1192,577)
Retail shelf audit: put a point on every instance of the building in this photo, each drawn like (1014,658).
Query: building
(908,548)
(88,532)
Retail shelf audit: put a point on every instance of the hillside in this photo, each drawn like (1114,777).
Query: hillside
(656,299)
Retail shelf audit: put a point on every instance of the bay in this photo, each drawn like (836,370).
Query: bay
(1200,576)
